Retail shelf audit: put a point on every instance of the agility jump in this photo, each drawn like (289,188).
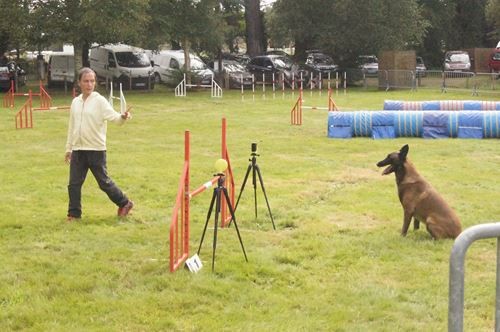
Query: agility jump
(296,112)
(9,98)
(180,222)
(181,88)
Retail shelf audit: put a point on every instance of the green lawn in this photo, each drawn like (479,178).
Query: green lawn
(335,263)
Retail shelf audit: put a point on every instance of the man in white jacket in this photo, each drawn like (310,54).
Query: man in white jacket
(86,145)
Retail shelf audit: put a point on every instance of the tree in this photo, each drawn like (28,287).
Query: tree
(470,24)
(193,24)
(255,38)
(493,18)
(85,22)
(348,28)
(12,25)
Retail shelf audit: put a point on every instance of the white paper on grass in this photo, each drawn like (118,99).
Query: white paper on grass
(194,263)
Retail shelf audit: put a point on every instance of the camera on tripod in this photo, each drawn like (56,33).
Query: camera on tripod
(254,150)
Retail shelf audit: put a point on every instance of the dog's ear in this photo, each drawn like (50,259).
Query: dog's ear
(403,152)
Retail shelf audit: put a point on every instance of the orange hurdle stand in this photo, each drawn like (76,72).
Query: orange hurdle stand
(45,98)
(179,226)
(24,117)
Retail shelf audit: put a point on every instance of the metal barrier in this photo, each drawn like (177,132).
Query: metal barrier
(399,79)
(457,269)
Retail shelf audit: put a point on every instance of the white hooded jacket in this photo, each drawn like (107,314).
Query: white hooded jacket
(88,123)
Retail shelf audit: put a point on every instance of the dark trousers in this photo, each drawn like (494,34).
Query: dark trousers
(81,162)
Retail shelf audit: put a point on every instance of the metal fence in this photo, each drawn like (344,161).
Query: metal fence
(476,83)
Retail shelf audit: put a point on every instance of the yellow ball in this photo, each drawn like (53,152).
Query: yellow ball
(221,165)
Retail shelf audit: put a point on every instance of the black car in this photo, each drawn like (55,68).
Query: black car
(318,62)
(281,66)
(11,72)
(237,74)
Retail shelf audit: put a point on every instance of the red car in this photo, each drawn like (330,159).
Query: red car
(494,61)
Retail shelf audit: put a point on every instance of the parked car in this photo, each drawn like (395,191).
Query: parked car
(61,69)
(280,66)
(124,64)
(169,68)
(368,64)
(318,62)
(456,61)
(236,73)
(421,69)
(11,72)
(494,61)
(244,59)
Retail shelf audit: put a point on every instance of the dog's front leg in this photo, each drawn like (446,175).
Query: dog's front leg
(406,223)
(416,223)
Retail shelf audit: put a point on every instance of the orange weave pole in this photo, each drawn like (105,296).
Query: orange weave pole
(179,226)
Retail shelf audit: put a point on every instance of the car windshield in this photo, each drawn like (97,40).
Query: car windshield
(324,60)
(233,66)
(282,62)
(496,56)
(368,59)
(458,57)
(132,59)
(420,61)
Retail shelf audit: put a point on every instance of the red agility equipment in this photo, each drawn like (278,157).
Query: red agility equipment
(179,226)
(296,112)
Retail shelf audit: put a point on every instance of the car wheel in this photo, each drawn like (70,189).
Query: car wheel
(157,78)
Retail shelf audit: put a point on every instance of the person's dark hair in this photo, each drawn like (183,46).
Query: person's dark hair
(85,70)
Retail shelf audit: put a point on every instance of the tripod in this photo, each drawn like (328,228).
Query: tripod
(255,171)
(216,198)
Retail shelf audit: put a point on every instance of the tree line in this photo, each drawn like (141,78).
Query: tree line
(341,28)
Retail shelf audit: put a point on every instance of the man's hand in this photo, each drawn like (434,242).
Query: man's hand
(127,115)
(67,157)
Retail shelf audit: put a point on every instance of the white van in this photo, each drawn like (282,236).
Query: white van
(61,69)
(124,64)
(169,66)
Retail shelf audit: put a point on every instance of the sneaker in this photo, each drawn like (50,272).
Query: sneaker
(124,210)
(72,219)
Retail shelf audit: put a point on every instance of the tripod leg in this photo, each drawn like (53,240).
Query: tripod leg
(241,191)
(243,186)
(208,218)
(254,182)
(217,211)
(234,219)
(265,195)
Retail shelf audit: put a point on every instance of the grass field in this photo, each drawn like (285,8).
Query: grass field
(335,263)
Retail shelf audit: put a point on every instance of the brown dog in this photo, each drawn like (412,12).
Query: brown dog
(419,199)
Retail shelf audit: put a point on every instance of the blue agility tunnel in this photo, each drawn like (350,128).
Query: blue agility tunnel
(441,105)
(426,124)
